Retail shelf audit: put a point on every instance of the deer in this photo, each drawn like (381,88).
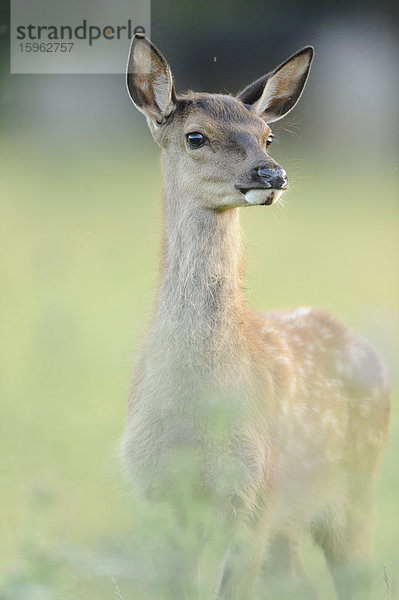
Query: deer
(306,399)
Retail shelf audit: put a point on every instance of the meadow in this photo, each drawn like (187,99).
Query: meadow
(79,255)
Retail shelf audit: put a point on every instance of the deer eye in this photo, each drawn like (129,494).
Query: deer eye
(195,139)
(269,140)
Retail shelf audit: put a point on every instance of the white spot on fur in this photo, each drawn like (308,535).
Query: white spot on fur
(303,311)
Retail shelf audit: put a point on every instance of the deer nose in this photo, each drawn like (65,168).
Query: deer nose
(273,178)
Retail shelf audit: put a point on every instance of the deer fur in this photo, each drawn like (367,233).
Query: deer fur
(305,399)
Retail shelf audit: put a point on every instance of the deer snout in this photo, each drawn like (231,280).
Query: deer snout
(271,178)
(263,184)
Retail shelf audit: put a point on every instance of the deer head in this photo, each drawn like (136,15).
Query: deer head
(215,146)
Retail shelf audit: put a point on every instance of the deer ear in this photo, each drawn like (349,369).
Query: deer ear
(149,80)
(275,94)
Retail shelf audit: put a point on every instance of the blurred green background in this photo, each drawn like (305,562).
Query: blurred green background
(80,229)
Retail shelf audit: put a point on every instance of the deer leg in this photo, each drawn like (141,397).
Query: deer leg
(240,567)
(284,572)
(346,540)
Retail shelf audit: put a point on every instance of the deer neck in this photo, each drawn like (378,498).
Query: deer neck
(200,306)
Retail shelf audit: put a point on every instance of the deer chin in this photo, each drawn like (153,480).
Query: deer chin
(261,197)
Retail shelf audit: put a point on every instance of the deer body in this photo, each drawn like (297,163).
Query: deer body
(305,400)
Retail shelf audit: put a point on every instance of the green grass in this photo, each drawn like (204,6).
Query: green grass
(80,242)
